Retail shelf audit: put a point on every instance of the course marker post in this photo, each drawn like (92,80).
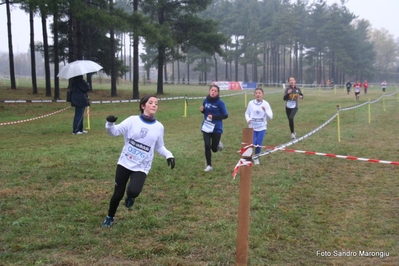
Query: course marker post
(185,106)
(88,117)
(245,100)
(244,200)
(369,112)
(339,127)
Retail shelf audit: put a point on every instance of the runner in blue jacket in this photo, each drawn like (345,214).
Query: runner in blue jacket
(214,111)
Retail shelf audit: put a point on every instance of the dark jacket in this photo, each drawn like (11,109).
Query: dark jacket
(293,96)
(79,97)
(348,85)
(217,108)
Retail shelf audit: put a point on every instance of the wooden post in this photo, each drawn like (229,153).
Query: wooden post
(88,117)
(369,112)
(185,106)
(339,124)
(244,201)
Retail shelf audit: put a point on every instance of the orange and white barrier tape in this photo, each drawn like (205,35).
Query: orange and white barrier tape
(35,118)
(246,151)
(353,158)
(240,163)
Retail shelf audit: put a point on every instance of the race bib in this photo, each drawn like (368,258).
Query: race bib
(257,122)
(137,151)
(208,126)
(291,104)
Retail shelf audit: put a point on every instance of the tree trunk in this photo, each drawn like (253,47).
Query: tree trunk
(296,60)
(46,53)
(290,69)
(178,71)
(32,53)
(236,61)
(71,38)
(205,73)
(264,64)
(301,64)
(10,50)
(86,31)
(136,70)
(130,58)
(56,57)
(112,55)
(188,71)
(255,71)
(124,51)
(267,80)
(284,64)
(165,68)
(227,70)
(161,56)
(230,69)
(246,72)
(216,67)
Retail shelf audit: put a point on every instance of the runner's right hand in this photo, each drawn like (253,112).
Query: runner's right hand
(111,118)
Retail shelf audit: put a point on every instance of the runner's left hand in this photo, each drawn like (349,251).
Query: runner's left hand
(171,162)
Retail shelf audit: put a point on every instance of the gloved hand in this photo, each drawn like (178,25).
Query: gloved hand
(171,162)
(111,118)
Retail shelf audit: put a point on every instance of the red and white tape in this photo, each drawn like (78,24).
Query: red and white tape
(246,151)
(272,149)
(35,118)
(353,158)
(240,163)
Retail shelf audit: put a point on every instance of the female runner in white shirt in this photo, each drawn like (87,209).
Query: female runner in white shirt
(143,135)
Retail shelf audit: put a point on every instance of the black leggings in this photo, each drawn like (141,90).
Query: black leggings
(133,190)
(211,141)
(290,115)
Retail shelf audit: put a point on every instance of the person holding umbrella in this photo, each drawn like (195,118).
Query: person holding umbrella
(77,94)
(79,100)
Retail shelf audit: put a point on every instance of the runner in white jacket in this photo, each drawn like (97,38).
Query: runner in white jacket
(143,135)
(257,113)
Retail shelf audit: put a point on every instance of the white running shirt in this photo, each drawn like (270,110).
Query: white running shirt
(257,116)
(141,139)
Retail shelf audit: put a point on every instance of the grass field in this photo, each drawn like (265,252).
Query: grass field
(305,209)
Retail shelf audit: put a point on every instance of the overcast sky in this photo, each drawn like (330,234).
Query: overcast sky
(380,13)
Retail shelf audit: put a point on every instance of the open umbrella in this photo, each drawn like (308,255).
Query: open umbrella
(77,68)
